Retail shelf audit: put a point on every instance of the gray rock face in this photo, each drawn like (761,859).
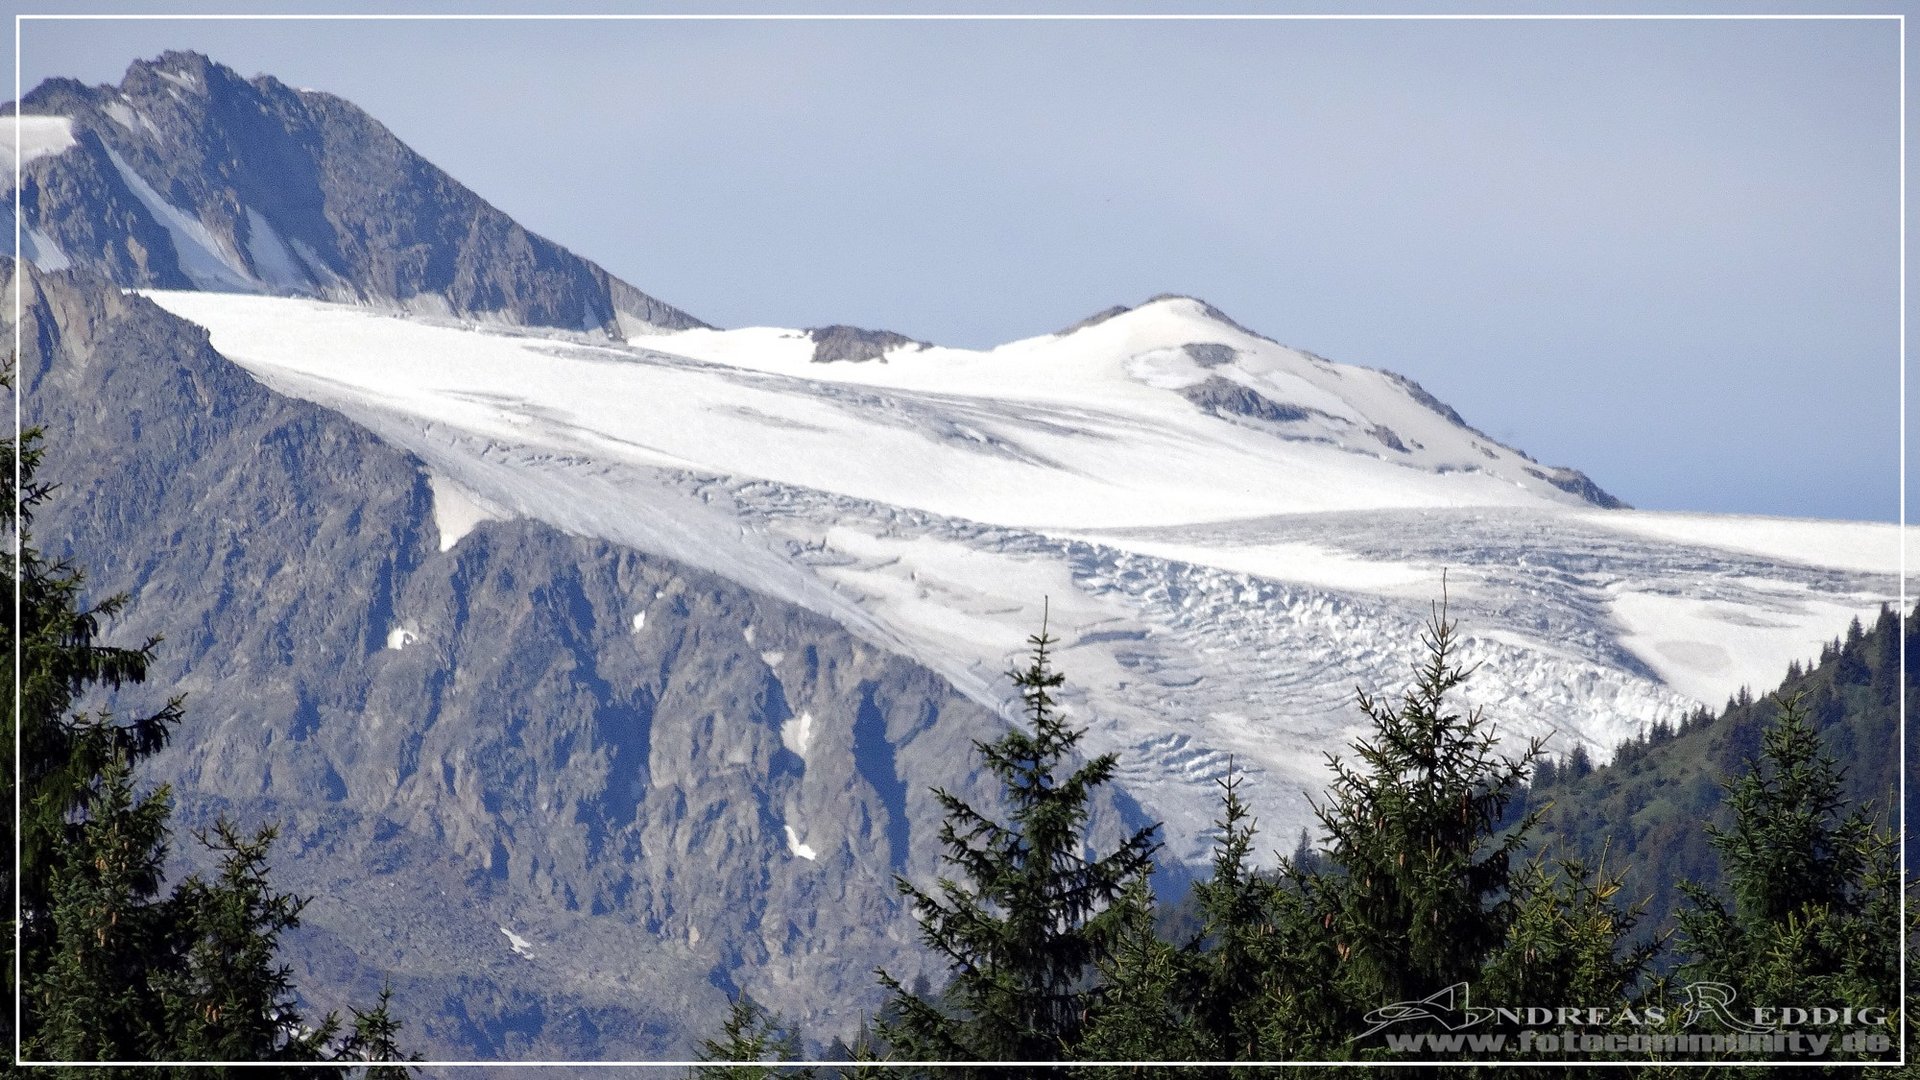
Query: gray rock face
(188,176)
(1209,354)
(1094,319)
(851,343)
(1228,399)
(1575,482)
(663,785)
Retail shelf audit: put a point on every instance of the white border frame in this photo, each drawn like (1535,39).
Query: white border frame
(1005,18)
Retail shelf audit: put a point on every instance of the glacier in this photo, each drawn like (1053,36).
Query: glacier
(1229,536)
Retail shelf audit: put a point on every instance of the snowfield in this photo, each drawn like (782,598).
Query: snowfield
(1231,535)
(28,137)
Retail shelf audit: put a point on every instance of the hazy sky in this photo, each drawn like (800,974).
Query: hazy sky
(1666,253)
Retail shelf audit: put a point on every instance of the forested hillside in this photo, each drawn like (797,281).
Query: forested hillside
(1641,814)
(1437,917)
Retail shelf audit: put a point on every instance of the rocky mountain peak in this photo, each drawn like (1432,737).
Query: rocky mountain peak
(189,176)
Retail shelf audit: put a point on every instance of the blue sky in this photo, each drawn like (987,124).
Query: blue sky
(1662,252)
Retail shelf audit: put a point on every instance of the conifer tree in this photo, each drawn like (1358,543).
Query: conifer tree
(72,761)
(111,969)
(1420,894)
(1235,902)
(1251,985)
(93,999)
(1144,1008)
(1545,773)
(752,1034)
(375,1038)
(1567,944)
(231,999)
(1029,916)
(1306,1013)
(1262,987)
(1813,919)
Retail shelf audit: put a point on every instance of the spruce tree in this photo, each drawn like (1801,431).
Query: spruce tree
(231,999)
(1263,967)
(1419,893)
(752,1034)
(74,766)
(1144,1008)
(1235,901)
(112,969)
(1029,916)
(1568,943)
(374,1037)
(1813,919)
(105,935)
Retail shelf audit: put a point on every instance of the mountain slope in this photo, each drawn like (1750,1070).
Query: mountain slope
(1642,812)
(1226,579)
(600,662)
(663,785)
(188,176)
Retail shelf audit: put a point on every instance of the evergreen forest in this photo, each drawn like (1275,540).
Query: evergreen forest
(1724,893)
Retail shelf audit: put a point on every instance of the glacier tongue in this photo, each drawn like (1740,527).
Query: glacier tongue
(1192,637)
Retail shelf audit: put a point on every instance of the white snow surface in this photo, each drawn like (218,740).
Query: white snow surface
(42,250)
(457,510)
(38,136)
(1220,584)
(1049,432)
(519,944)
(135,121)
(272,261)
(796,733)
(799,849)
(1851,545)
(208,261)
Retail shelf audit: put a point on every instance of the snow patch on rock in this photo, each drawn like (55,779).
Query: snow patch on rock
(796,733)
(804,851)
(41,250)
(457,510)
(37,137)
(206,260)
(271,260)
(135,121)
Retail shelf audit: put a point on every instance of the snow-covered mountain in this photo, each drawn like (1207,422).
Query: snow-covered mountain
(1230,534)
(599,661)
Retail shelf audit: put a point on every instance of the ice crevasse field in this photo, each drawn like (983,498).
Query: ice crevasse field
(1230,534)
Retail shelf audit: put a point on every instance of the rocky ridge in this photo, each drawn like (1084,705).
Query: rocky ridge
(567,796)
(186,175)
